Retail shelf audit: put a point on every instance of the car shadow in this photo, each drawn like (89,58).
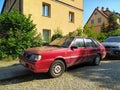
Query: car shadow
(17,73)
(106,75)
(25,78)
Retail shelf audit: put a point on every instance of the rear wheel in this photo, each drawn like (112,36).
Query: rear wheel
(97,60)
(57,69)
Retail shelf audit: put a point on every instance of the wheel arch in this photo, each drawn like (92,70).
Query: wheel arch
(63,60)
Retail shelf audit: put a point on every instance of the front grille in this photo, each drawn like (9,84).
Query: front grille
(107,46)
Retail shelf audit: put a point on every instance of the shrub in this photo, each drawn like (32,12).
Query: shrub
(77,32)
(89,32)
(101,37)
(57,34)
(114,33)
(17,32)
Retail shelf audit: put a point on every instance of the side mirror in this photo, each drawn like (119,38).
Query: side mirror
(73,47)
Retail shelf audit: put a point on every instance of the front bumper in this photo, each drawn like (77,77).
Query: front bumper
(36,67)
(113,52)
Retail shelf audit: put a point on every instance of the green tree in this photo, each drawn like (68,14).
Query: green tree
(17,32)
(79,31)
(101,37)
(112,20)
(114,33)
(89,31)
(103,28)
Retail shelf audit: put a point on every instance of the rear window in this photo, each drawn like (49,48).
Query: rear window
(90,43)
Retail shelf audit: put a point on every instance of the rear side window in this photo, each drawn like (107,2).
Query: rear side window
(90,43)
(79,42)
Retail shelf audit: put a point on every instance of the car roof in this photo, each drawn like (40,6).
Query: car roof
(80,37)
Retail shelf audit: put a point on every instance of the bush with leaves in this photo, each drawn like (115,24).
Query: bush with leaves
(17,32)
(101,37)
(57,34)
(78,32)
(114,33)
(89,31)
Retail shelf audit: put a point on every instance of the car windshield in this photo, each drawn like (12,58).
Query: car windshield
(62,42)
(113,39)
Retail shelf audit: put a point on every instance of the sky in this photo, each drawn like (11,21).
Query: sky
(90,5)
(1,4)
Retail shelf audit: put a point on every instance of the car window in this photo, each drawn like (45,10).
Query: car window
(62,42)
(89,43)
(79,42)
(96,43)
(67,42)
(113,39)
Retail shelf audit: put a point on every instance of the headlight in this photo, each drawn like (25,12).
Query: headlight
(35,57)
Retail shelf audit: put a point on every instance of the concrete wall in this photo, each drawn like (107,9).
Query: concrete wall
(59,15)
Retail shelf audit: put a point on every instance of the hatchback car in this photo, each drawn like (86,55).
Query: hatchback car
(61,54)
(112,45)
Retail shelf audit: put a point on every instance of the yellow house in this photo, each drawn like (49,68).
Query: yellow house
(48,15)
(100,16)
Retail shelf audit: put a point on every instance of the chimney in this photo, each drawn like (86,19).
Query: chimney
(107,8)
(97,8)
(102,8)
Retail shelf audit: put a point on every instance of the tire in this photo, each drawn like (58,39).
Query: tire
(97,60)
(57,69)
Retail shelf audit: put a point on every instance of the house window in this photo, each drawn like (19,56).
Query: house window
(46,34)
(71,17)
(99,20)
(92,21)
(46,10)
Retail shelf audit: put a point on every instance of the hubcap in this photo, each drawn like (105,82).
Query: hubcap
(57,69)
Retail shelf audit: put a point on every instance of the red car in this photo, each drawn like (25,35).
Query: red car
(61,54)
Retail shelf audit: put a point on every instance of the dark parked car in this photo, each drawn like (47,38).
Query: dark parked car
(112,45)
(61,54)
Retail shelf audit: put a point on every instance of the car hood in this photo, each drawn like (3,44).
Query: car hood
(111,43)
(39,50)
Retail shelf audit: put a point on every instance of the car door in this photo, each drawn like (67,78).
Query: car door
(91,49)
(77,52)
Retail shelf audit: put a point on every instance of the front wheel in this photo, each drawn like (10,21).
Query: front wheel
(57,69)
(97,60)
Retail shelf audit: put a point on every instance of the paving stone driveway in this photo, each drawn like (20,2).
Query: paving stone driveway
(103,77)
